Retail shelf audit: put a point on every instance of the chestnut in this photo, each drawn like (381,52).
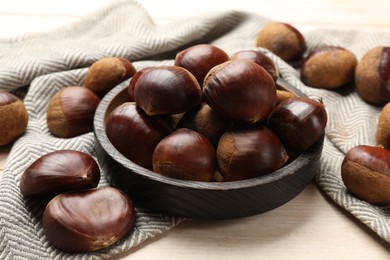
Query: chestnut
(71,110)
(249,152)
(134,134)
(240,90)
(200,58)
(204,120)
(299,122)
(57,172)
(283,95)
(88,220)
(328,67)
(382,135)
(260,58)
(365,172)
(165,90)
(106,73)
(185,154)
(372,76)
(13,117)
(133,81)
(283,39)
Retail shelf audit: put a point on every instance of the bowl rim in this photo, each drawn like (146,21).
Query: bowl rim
(101,136)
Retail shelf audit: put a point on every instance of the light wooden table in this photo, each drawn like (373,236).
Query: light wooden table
(310,226)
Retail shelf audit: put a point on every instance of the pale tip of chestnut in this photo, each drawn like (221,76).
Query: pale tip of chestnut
(13,118)
(106,73)
(283,39)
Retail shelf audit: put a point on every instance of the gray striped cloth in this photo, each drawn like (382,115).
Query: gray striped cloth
(49,61)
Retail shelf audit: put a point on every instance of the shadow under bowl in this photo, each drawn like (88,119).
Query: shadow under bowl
(206,200)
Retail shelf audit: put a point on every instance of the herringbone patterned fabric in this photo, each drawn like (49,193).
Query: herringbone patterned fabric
(47,62)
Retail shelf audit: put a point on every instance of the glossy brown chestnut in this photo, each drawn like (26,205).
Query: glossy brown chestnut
(240,90)
(204,120)
(328,67)
(283,40)
(382,135)
(58,172)
(200,58)
(13,117)
(71,111)
(134,134)
(260,58)
(299,122)
(372,76)
(106,73)
(365,172)
(249,152)
(130,90)
(165,90)
(185,154)
(88,220)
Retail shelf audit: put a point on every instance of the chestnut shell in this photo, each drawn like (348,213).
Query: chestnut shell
(71,110)
(134,134)
(13,117)
(260,58)
(249,152)
(88,220)
(58,172)
(106,73)
(372,76)
(382,135)
(204,120)
(240,90)
(282,39)
(200,58)
(365,172)
(133,81)
(299,122)
(328,67)
(7,98)
(165,90)
(185,154)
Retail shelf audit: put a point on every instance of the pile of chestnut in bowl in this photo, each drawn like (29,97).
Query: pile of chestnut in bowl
(213,117)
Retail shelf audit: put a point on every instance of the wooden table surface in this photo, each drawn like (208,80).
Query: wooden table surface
(309,227)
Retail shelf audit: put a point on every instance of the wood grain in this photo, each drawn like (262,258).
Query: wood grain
(308,227)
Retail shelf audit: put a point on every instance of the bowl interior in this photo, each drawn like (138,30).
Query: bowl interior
(298,173)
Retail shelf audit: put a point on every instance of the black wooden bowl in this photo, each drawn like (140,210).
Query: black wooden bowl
(211,200)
